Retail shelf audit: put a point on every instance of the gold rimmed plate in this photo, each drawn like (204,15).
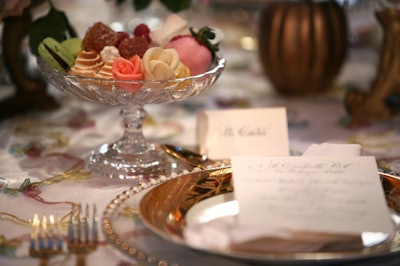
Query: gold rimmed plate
(124,228)
(167,206)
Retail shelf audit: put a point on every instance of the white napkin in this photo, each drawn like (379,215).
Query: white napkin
(223,233)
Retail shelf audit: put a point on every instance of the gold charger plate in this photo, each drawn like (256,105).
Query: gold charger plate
(156,235)
(124,228)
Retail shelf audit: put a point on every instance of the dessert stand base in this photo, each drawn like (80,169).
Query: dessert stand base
(109,162)
(132,156)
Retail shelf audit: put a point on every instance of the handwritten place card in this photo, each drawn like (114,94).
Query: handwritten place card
(254,132)
(340,195)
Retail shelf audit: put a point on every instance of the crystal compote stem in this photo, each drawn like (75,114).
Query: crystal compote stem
(133,140)
(132,156)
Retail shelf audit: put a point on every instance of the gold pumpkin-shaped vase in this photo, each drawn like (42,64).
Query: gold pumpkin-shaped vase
(302,44)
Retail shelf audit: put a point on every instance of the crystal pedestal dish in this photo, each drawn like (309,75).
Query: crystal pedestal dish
(131,156)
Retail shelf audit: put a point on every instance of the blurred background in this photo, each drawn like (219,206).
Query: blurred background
(236,23)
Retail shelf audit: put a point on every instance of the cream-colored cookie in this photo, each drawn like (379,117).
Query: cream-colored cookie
(105,71)
(160,64)
(87,64)
(182,71)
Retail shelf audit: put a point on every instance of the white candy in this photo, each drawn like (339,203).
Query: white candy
(160,64)
(173,25)
(109,53)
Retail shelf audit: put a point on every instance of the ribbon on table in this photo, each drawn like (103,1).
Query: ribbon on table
(32,190)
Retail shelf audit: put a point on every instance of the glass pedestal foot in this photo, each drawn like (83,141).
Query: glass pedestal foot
(108,162)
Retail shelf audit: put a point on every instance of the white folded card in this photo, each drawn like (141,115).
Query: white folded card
(332,194)
(255,132)
(330,149)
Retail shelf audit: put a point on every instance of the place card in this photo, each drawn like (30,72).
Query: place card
(339,195)
(254,132)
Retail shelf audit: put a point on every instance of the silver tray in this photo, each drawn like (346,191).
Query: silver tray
(156,235)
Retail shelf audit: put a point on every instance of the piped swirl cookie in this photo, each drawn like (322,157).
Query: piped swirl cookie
(105,71)
(87,64)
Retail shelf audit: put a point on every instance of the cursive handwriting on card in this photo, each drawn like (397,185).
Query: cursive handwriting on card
(324,194)
(246,130)
(283,166)
(256,132)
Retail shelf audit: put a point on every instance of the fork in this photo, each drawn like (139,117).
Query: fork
(45,240)
(82,233)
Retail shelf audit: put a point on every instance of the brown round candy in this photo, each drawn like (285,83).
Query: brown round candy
(98,36)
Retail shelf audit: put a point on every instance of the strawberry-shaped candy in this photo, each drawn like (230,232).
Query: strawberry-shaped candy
(196,51)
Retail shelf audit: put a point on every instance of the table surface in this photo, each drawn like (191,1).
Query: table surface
(41,146)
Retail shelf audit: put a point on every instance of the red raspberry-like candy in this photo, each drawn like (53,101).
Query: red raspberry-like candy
(142,30)
(121,36)
(132,46)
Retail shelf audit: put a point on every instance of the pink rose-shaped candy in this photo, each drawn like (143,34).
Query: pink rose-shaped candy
(128,70)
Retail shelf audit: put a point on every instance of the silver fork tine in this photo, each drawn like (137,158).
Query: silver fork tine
(82,233)
(86,224)
(59,238)
(71,227)
(79,225)
(94,224)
